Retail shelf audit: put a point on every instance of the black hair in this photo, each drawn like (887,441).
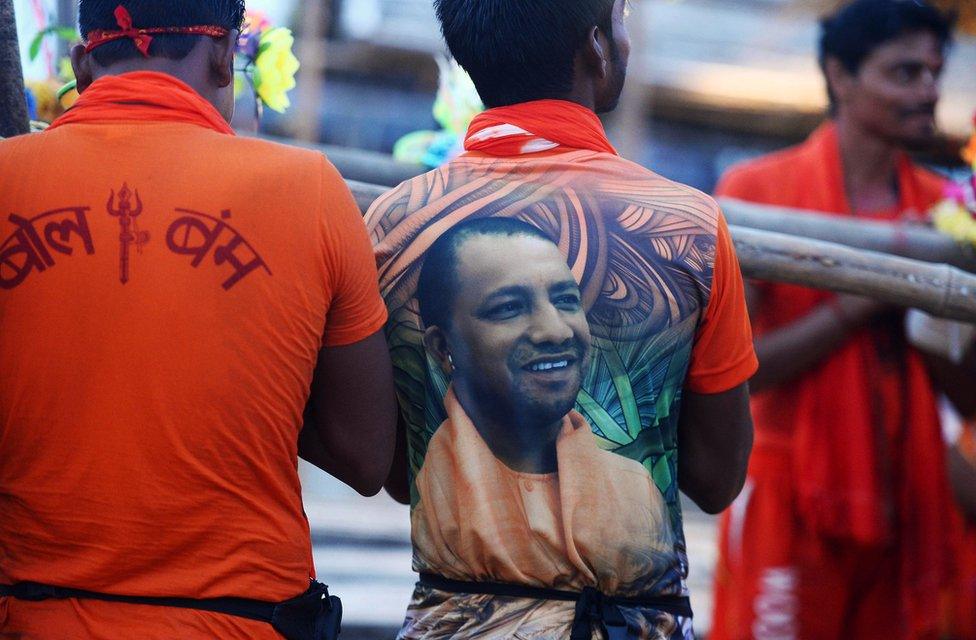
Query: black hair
(100,14)
(520,50)
(856,30)
(437,287)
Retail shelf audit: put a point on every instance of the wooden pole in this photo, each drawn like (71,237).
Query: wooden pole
(909,241)
(67,17)
(906,240)
(940,289)
(311,49)
(14,118)
(359,164)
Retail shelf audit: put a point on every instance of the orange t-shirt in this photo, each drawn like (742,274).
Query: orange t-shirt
(164,293)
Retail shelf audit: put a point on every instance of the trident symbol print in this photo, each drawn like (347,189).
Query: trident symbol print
(129,233)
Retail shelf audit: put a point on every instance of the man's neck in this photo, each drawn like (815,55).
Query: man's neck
(870,168)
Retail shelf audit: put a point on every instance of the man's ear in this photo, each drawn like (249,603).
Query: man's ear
(222,58)
(81,64)
(594,53)
(839,79)
(435,341)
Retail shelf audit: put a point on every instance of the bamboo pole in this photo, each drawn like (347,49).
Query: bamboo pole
(906,240)
(909,241)
(311,51)
(939,289)
(14,119)
(361,165)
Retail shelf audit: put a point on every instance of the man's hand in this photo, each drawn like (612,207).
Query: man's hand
(788,352)
(962,477)
(350,421)
(714,443)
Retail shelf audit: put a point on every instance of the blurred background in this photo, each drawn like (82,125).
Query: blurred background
(711,82)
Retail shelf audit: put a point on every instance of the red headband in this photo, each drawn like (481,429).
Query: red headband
(141,37)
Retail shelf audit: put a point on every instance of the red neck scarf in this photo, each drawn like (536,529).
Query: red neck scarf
(536,126)
(143,96)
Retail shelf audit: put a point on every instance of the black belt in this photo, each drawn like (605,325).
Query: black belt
(311,615)
(592,606)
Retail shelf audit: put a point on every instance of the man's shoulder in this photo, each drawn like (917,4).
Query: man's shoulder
(19,144)
(931,184)
(760,171)
(278,154)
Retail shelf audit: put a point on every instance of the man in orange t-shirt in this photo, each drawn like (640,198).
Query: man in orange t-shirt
(840,529)
(172,300)
(665,384)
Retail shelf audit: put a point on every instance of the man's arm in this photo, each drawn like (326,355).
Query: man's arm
(398,481)
(714,443)
(350,422)
(962,477)
(955,380)
(789,351)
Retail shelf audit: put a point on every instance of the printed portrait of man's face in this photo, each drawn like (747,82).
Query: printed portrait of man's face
(516,339)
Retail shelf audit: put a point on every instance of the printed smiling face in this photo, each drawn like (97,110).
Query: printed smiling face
(518,336)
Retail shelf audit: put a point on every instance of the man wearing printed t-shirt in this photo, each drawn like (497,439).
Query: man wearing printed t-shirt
(665,385)
(168,298)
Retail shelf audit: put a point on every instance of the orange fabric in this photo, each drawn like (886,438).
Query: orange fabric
(960,601)
(723,355)
(142,96)
(161,317)
(536,126)
(476,519)
(776,579)
(861,430)
(960,609)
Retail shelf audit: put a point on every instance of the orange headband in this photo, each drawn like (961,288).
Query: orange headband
(141,37)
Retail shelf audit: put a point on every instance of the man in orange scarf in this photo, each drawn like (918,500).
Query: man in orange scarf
(665,385)
(840,531)
(169,293)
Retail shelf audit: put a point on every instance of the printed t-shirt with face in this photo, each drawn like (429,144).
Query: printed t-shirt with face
(663,296)
(165,288)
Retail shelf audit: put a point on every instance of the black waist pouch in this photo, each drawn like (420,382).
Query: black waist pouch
(314,615)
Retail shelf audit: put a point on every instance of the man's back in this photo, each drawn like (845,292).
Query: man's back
(164,288)
(658,281)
